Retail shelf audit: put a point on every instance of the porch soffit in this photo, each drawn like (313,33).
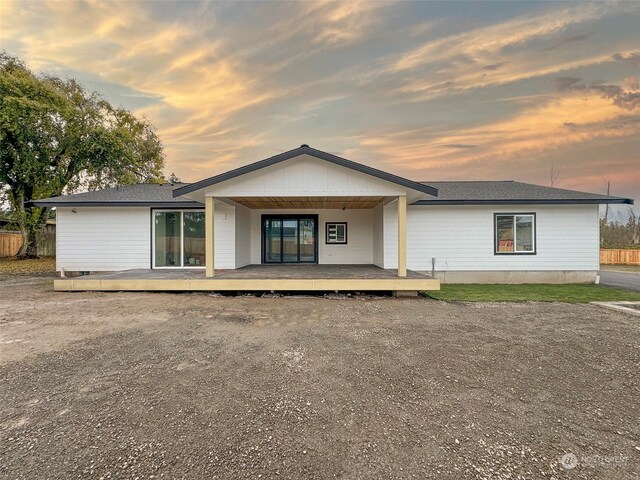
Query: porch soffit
(327,202)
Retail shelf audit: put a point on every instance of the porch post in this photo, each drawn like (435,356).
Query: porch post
(208,236)
(402,235)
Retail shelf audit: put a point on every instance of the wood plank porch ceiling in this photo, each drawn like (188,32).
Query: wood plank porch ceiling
(309,202)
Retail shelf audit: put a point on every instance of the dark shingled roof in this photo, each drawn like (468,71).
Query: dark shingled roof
(510,192)
(449,193)
(141,195)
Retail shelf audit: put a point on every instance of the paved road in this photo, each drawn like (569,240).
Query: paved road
(628,280)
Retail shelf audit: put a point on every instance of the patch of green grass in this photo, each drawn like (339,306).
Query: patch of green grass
(569,293)
(35,267)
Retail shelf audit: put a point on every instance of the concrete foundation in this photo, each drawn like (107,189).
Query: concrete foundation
(405,293)
(513,276)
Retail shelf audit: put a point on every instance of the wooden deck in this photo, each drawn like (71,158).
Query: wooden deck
(255,278)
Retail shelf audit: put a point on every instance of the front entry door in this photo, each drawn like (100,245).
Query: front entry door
(289,239)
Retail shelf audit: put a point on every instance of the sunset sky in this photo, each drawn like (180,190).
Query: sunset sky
(427,90)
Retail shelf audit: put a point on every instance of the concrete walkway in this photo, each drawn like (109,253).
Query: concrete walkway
(629,280)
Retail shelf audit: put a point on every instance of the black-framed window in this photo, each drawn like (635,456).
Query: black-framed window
(336,233)
(514,233)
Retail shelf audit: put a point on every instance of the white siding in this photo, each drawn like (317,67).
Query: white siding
(243,236)
(103,239)
(461,238)
(378,236)
(107,239)
(306,176)
(390,235)
(358,250)
(224,235)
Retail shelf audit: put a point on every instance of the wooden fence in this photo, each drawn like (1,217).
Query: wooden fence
(619,257)
(47,241)
(10,242)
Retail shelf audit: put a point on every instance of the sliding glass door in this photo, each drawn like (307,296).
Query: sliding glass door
(307,240)
(289,239)
(272,248)
(178,239)
(193,239)
(168,230)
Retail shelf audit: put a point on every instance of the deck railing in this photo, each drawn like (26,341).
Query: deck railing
(617,256)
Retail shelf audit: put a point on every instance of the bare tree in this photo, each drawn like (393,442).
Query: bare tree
(634,227)
(606,208)
(621,233)
(553,175)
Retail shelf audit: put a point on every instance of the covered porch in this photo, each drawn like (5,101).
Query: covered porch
(311,277)
(327,230)
(303,220)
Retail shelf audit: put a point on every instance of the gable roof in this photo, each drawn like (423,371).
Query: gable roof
(302,150)
(140,195)
(510,192)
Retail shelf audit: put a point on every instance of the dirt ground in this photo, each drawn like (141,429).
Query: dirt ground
(137,385)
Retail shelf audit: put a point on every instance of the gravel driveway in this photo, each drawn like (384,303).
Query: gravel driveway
(135,385)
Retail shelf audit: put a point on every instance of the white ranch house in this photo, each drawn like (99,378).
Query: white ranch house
(310,220)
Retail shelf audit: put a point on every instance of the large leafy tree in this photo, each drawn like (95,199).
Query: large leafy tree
(56,137)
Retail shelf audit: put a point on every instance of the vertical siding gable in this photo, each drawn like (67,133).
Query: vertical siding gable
(275,178)
(337,179)
(304,176)
(318,176)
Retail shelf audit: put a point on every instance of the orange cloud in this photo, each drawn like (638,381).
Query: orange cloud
(560,123)
(199,85)
(344,23)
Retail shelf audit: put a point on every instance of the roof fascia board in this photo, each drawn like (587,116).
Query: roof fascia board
(584,201)
(119,204)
